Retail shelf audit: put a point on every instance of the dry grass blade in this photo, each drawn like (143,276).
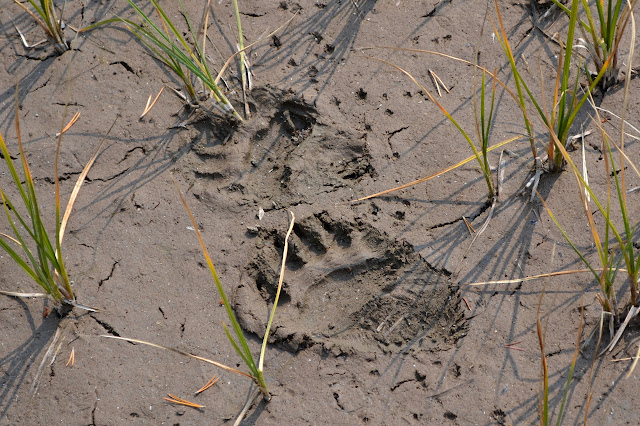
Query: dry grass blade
(18,294)
(633,312)
(49,356)
(441,172)
(71,123)
(210,383)
(245,408)
(9,237)
(24,40)
(176,400)
(187,354)
(72,358)
(633,365)
(626,157)
(150,104)
(597,108)
(470,227)
(466,303)
(79,182)
(437,81)
(537,277)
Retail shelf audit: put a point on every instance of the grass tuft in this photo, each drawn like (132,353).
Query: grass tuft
(610,255)
(188,61)
(45,15)
(30,246)
(566,101)
(602,37)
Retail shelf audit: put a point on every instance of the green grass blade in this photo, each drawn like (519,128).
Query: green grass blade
(504,42)
(38,271)
(17,215)
(12,169)
(234,322)
(566,69)
(185,55)
(19,260)
(247,362)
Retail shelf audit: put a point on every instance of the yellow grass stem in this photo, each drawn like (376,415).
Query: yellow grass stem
(187,354)
(275,302)
(441,172)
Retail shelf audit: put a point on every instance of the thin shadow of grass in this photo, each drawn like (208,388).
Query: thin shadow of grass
(16,364)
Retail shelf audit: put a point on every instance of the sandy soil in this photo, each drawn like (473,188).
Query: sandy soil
(377,323)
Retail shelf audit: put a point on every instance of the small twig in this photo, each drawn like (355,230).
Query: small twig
(395,324)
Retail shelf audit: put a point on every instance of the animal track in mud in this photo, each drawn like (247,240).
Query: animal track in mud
(350,288)
(284,154)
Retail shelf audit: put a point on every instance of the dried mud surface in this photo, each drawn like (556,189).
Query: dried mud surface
(377,322)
